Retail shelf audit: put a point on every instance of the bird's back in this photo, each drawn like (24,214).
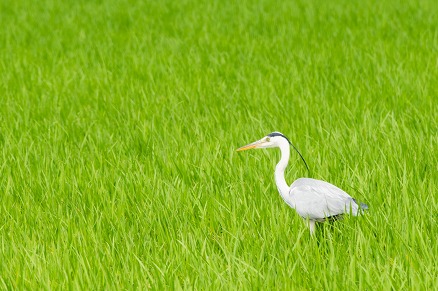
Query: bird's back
(317,200)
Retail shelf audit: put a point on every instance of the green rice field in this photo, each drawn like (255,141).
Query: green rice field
(119,122)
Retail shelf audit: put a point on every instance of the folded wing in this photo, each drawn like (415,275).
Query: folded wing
(318,200)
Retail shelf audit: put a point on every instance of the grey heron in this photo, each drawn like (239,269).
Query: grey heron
(314,200)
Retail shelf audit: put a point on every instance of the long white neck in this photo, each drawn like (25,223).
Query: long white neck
(282,186)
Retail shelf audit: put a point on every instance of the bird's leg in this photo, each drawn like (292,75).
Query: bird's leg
(312,226)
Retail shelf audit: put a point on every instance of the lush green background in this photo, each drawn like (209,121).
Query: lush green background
(119,122)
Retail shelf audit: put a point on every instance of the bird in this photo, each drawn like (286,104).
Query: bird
(314,200)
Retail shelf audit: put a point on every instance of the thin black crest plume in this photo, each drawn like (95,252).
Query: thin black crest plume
(301,156)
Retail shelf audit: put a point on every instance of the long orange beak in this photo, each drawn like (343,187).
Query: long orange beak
(249,146)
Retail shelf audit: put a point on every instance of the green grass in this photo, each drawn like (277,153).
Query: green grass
(119,122)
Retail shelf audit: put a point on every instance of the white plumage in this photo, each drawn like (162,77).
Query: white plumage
(314,200)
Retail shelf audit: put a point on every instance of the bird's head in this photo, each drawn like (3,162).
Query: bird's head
(272,140)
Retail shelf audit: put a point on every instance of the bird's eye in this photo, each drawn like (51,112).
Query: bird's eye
(268,139)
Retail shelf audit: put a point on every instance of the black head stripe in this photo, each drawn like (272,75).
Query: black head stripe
(279,134)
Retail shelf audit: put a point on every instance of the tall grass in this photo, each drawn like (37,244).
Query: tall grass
(119,122)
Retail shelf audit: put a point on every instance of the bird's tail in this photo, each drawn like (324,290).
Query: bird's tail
(362,206)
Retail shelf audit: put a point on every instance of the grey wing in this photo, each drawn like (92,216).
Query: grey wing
(316,199)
